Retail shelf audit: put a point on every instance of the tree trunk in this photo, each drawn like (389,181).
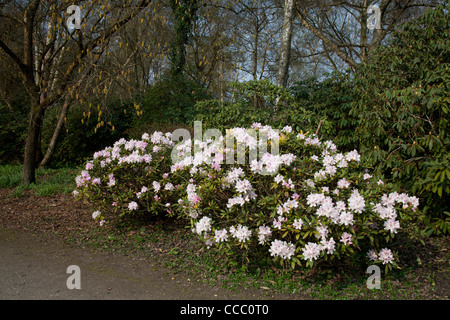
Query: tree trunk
(54,139)
(36,113)
(285,45)
(363,32)
(255,62)
(31,145)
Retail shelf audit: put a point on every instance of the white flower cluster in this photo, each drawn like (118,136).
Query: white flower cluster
(282,249)
(264,233)
(125,152)
(241,233)
(386,208)
(385,255)
(203,225)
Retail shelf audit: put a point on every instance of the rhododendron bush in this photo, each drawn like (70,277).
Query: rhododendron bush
(299,200)
(131,177)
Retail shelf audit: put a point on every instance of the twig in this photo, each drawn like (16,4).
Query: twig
(318,127)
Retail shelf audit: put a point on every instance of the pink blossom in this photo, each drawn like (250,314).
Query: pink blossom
(328,245)
(298,223)
(277,222)
(96,214)
(263,233)
(112,180)
(386,256)
(346,238)
(311,251)
(356,202)
(85,175)
(242,233)
(372,255)
(196,199)
(221,235)
(392,225)
(132,206)
(343,184)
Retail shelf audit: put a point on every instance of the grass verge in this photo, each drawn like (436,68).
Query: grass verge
(48,181)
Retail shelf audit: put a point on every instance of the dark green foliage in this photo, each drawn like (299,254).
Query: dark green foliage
(331,99)
(403,110)
(170,101)
(184,12)
(255,101)
(13,128)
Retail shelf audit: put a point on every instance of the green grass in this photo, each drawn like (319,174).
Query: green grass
(48,181)
(10,176)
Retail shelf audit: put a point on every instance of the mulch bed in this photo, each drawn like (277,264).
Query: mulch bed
(51,215)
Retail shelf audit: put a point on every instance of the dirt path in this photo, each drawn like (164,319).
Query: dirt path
(33,268)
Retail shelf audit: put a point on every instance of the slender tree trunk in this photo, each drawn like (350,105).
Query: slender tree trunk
(52,145)
(255,62)
(36,113)
(39,154)
(363,34)
(255,55)
(31,144)
(285,45)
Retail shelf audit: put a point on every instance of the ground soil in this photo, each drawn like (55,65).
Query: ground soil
(34,258)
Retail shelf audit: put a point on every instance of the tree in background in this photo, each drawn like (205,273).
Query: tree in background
(184,13)
(51,58)
(285,43)
(402,106)
(340,27)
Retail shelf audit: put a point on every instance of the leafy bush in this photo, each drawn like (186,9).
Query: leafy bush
(306,204)
(256,101)
(170,100)
(402,110)
(330,99)
(116,179)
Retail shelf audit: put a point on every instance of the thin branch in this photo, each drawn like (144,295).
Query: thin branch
(327,42)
